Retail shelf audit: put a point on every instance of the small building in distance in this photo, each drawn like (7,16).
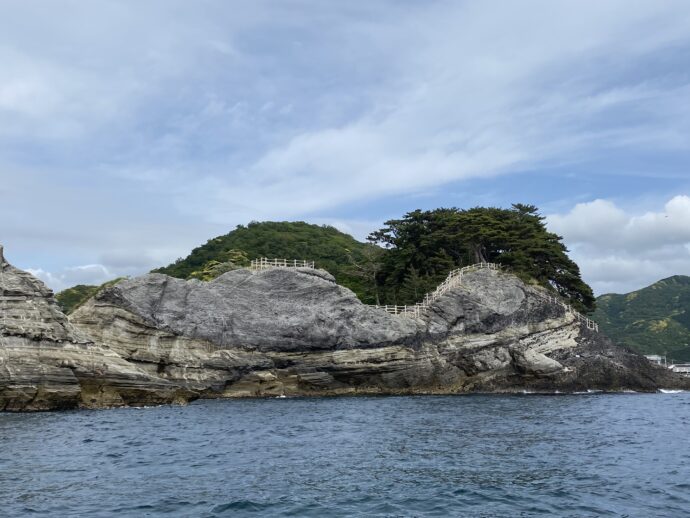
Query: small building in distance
(681,368)
(655,358)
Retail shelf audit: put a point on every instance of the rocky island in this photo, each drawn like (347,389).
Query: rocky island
(295,332)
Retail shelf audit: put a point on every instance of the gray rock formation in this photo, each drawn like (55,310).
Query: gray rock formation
(296,332)
(45,363)
(156,339)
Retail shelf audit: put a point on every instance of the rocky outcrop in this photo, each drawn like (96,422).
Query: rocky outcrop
(296,332)
(45,363)
(157,339)
(245,332)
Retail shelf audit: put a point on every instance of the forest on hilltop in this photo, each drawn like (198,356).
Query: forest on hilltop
(423,246)
(407,257)
(71,298)
(400,262)
(332,250)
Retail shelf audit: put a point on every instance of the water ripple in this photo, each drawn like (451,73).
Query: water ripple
(588,455)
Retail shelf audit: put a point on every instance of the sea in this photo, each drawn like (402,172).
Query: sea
(474,455)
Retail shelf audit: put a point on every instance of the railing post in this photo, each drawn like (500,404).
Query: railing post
(454,278)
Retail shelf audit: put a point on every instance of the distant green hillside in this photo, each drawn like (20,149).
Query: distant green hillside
(338,253)
(71,298)
(653,320)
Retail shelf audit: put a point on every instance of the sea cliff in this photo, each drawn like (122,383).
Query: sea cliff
(46,364)
(295,332)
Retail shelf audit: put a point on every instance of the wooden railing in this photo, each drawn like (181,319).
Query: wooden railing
(264,263)
(454,279)
(591,324)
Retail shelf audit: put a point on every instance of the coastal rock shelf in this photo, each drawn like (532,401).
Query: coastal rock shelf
(294,331)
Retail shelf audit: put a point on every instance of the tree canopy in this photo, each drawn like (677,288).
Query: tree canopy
(423,246)
(402,261)
(348,260)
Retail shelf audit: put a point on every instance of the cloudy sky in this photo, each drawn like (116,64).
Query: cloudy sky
(132,131)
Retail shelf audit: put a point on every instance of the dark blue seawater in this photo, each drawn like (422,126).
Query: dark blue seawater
(587,455)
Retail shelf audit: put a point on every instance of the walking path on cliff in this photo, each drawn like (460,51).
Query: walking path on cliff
(453,280)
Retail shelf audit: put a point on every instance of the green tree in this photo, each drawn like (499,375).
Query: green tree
(414,286)
(331,250)
(367,267)
(431,243)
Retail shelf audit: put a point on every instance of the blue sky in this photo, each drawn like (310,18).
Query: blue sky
(131,132)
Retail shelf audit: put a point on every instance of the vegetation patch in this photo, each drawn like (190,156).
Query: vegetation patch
(71,298)
(653,320)
(406,258)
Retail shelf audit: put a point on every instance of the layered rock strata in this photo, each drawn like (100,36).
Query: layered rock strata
(45,363)
(157,339)
(296,332)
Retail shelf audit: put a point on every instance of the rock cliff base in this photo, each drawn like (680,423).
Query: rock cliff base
(46,364)
(295,332)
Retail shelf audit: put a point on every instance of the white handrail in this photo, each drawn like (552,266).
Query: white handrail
(264,263)
(591,324)
(454,279)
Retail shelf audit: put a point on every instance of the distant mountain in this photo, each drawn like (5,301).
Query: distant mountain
(332,250)
(653,320)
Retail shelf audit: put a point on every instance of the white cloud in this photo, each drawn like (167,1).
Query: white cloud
(130,135)
(472,92)
(619,250)
(94,274)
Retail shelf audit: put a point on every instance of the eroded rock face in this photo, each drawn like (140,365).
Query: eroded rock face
(277,310)
(45,363)
(295,332)
(246,331)
(156,339)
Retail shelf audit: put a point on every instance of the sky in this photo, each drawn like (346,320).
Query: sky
(131,132)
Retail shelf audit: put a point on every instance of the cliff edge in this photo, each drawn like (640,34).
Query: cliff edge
(46,364)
